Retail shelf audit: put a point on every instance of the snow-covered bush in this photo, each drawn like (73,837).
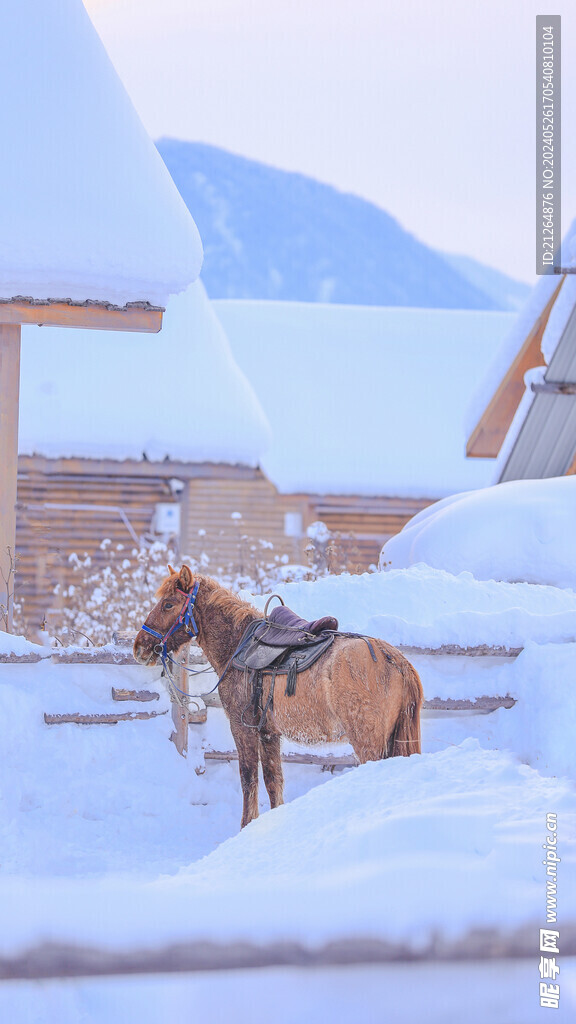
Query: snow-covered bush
(117,592)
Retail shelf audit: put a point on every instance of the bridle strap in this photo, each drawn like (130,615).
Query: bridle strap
(186,618)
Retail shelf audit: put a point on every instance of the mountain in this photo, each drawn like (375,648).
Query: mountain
(271,234)
(508,293)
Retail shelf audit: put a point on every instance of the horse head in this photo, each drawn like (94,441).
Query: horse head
(171,622)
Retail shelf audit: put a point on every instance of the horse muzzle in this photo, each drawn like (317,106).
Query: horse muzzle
(146,653)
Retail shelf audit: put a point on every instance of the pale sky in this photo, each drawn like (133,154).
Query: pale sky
(426,109)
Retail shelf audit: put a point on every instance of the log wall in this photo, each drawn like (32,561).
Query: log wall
(231,514)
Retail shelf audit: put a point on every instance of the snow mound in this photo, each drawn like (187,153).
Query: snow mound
(428,607)
(341,859)
(19,645)
(519,530)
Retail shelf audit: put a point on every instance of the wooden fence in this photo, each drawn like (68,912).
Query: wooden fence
(120,653)
(52,960)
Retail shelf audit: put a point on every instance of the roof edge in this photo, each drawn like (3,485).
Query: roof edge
(29,300)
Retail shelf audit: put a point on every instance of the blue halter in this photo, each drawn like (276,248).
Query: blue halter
(186,619)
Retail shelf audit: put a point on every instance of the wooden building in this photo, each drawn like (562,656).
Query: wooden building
(231,515)
(212,481)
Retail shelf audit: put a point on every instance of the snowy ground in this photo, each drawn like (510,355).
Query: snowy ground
(108,837)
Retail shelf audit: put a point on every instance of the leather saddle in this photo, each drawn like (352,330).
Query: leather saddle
(283,628)
(284,643)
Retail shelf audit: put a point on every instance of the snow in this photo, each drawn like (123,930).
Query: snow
(519,530)
(427,607)
(178,394)
(365,400)
(110,838)
(319,861)
(501,991)
(238,403)
(10,644)
(89,210)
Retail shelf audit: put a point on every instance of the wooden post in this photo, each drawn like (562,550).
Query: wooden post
(179,713)
(9,394)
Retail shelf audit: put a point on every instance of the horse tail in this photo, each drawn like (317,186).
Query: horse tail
(405,738)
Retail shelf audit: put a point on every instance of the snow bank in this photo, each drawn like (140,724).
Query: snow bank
(108,837)
(349,851)
(498,990)
(178,394)
(538,730)
(10,644)
(89,210)
(365,400)
(344,860)
(428,607)
(519,530)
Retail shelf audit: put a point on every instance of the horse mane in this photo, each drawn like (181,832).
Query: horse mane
(234,608)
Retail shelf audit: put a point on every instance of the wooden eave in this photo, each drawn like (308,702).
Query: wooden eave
(99,316)
(487,438)
(82,465)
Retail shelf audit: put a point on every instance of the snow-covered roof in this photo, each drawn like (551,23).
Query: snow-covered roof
(365,400)
(503,400)
(88,208)
(495,371)
(102,395)
(541,441)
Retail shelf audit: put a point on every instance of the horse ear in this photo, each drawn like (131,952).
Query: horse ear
(171,570)
(185,578)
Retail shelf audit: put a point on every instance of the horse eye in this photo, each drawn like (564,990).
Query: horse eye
(167,606)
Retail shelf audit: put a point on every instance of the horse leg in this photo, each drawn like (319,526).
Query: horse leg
(246,741)
(272,766)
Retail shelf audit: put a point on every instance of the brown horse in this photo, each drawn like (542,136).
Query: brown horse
(372,700)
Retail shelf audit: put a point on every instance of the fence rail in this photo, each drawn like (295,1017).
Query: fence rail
(54,960)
